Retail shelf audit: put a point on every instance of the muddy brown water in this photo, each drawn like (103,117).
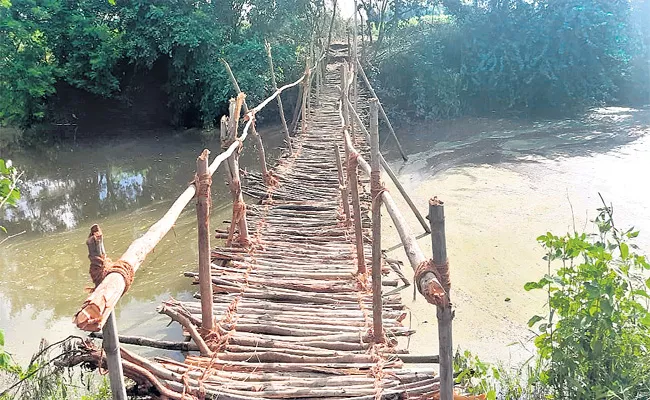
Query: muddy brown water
(504,183)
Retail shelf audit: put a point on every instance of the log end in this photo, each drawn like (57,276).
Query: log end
(89,318)
(432,290)
(435,201)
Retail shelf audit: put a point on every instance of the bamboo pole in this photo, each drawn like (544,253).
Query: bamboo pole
(342,186)
(355,59)
(110,342)
(344,93)
(393,177)
(376,190)
(260,144)
(203,200)
(445,314)
(381,110)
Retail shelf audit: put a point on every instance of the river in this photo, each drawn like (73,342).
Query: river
(504,182)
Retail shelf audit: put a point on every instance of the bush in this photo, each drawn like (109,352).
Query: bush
(594,341)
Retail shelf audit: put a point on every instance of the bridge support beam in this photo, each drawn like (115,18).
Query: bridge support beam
(342,185)
(203,200)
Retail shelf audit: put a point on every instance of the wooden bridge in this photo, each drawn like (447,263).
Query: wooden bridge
(291,304)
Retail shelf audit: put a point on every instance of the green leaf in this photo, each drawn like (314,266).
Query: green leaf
(645,320)
(625,251)
(5,361)
(492,395)
(535,319)
(2,338)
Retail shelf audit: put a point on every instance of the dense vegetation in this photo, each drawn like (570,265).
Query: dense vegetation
(104,47)
(506,56)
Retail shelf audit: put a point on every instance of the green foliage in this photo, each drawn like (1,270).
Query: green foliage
(9,195)
(517,56)
(99,46)
(593,342)
(477,377)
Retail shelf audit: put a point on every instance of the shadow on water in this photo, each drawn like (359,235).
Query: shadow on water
(495,141)
(125,186)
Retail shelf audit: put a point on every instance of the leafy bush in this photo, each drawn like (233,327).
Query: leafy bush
(517,56)
(594,340)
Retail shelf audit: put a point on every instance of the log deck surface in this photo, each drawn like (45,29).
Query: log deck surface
(292,318)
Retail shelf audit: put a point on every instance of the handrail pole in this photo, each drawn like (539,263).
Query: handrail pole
(444,312)
(203,200)
(393,177)
(381,111)
(376,189)
(305,98)
(110,341)
(260,144)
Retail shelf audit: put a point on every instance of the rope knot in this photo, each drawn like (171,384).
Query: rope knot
(434,293)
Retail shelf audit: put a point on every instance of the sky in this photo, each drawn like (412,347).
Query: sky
(346,7)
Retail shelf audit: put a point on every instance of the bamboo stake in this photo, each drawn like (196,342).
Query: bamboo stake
(110,342)
(393,177)
(355,60)
(203,200)
(344,93)
(260,144)
(445,314)
(376,190)
(381,111)
(342,186)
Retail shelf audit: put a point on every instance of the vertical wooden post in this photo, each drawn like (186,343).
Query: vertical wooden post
(355,59)
(342,185)
(376,190)
(444,313)
(228,135)
(110,341)
(203,182)
(363,40)
(344,94)
(297,110)
(353,179)
(260,144)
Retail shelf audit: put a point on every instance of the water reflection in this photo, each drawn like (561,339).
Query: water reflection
(125,186)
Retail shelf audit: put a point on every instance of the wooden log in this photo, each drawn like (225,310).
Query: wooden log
(392,176)
(342,186)
(419,359)
(189,326)
(445,314)
(110,343)
(297,110)
(376,190)
(381,110)
(258,138)
(287,136)
(154,343)
(203,200)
